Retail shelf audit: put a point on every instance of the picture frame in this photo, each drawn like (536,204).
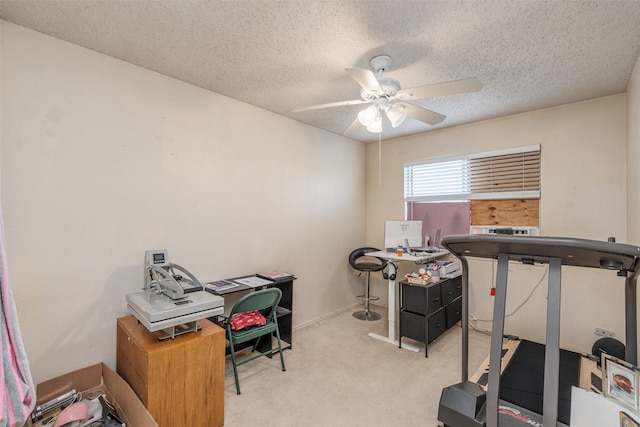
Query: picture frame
(627,421)
(621,380)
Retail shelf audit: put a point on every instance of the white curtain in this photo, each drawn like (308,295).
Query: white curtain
(17,395)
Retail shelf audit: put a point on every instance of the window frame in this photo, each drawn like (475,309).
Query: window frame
(464,194)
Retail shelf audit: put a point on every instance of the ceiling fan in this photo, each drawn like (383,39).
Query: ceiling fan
(390,101)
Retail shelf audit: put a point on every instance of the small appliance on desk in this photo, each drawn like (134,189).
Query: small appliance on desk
(449,269)
(173,299)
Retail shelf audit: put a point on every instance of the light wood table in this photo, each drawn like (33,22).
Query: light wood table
(181,380)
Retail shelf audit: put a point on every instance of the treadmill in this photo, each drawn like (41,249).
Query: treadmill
(467,403)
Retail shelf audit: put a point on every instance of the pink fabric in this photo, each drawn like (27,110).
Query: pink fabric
(17,392)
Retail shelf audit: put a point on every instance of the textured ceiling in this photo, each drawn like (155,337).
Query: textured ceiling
(280,55)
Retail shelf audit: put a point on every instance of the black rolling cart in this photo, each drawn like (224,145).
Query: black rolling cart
(428,310)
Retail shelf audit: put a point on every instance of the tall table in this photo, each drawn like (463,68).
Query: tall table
(418,258)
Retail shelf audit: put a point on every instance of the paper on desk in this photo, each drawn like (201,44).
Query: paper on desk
(273,274)
(221,285)
(253,281)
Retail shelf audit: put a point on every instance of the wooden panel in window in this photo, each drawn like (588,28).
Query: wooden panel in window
(518,212)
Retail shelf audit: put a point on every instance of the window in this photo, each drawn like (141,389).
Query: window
(506,174)
(491,188)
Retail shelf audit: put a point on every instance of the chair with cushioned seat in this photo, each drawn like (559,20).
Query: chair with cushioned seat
(360,261)
(247,314)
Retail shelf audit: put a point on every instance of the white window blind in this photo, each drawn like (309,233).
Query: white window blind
(505,174)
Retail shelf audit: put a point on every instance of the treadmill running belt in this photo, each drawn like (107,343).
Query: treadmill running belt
(522,382)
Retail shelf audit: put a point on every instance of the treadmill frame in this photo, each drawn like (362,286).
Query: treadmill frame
(555,251)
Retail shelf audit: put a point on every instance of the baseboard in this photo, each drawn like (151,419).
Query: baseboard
(332,314)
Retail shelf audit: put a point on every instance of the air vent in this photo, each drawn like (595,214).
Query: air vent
(505,229)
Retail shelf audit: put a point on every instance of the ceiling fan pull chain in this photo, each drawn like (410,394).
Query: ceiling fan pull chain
(380,161)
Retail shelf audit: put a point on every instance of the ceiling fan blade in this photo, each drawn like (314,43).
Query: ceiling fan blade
(366,79)
(440,89)
(355,125)
(331,104)
(422,114)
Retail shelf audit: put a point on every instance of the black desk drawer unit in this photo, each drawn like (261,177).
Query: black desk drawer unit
(426,311)
(415,326)
(420,299)
(451,289)
(453,312)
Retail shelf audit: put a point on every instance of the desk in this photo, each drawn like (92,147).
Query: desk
(393,289)
(284,310)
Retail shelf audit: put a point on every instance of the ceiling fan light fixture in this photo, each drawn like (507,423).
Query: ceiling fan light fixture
(396,115)
(376,125)
(389,99)
(367,116)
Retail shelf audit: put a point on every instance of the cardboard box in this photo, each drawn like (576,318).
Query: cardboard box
(98,378)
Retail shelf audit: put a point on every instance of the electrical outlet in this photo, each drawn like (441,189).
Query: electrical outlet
(603,332)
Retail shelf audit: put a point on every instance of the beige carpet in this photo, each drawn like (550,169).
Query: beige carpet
(339,376)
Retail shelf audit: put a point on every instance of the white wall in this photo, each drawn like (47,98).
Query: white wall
(102,160)
(583,195)
(633,156)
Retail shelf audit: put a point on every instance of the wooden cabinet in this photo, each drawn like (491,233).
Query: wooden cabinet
(181,380)
(426,311)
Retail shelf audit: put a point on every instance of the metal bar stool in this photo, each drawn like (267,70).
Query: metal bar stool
(362,262)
